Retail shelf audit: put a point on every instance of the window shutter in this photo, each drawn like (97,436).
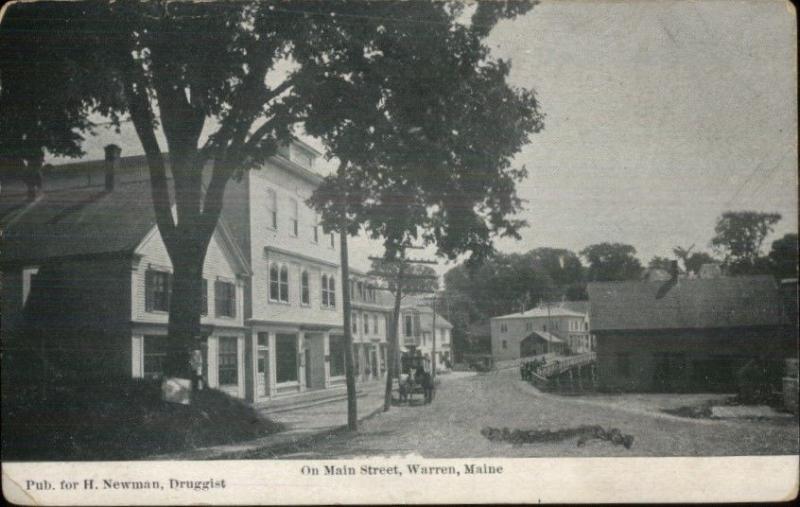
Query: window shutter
(169,289)
(148,291)
(204,297)
(232,288)
(218,298)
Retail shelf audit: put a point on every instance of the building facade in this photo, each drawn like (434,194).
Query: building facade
(99,305)
(273,324)
(540,330)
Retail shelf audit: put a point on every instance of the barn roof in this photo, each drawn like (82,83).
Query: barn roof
(685,304)
(545,336)
(555,310)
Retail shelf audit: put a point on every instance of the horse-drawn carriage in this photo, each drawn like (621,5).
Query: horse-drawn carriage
(414,379)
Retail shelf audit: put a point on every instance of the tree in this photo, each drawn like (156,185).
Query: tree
(739,236)
(695,261)
(403,277)
(611,262)
(416,163)
(784,257)
(47,87)
(662,263)
(209,76)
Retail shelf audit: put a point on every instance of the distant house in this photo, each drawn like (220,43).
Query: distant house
(543,329)
(684,334)
(418,331)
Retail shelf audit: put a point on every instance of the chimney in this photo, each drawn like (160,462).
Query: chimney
(112,163)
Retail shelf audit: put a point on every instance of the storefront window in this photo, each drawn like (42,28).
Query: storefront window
(286,357)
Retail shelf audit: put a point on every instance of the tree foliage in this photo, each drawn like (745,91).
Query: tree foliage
(429,159)
(610,262)
(784,256)
(739,236)
(386,86)
(417,278)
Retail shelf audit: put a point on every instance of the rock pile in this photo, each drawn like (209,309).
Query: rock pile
(583,433)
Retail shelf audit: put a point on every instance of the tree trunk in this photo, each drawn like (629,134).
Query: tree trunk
(184,310)
(394,345)
(350,377)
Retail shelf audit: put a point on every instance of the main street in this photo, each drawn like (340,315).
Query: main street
(465,403)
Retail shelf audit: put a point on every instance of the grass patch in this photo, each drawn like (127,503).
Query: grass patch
(120,420)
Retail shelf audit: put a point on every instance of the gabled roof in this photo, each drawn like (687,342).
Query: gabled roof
(545,336)
(688,304)
(542,311)
(75,222)
(87,221)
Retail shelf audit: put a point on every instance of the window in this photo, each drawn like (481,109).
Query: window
(503,328)
(585,326)
(272,208)
(293,216)
(305,294)
(274,283)
(204,298)
(315,233)
(333,241)
(155,352)
(263,339)
(332,291)
(286,357)
(356,359)
(336,349)
(228,361)
(624,364)
(354,322)
(225,299)
(366,323)
(425,337)
(361,290)
(409,326)
(158,287)
(529,326)
(278,283)
(284,284)
(505,344)
(375,324)
(328,291)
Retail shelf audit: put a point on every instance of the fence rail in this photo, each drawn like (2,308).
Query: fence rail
(562,364)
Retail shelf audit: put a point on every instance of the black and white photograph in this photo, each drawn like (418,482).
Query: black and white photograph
(414,246)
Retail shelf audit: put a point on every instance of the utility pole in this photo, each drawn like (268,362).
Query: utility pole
(399,278)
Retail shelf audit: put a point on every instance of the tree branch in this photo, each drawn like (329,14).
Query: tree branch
(135,89)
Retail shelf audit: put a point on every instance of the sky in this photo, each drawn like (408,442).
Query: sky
(660,116)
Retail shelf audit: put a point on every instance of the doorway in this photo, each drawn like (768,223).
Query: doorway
(314,356)
(261,379)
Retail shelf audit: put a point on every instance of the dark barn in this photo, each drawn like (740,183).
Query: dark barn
(686,334)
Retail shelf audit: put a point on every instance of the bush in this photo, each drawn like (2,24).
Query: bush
(119,419)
